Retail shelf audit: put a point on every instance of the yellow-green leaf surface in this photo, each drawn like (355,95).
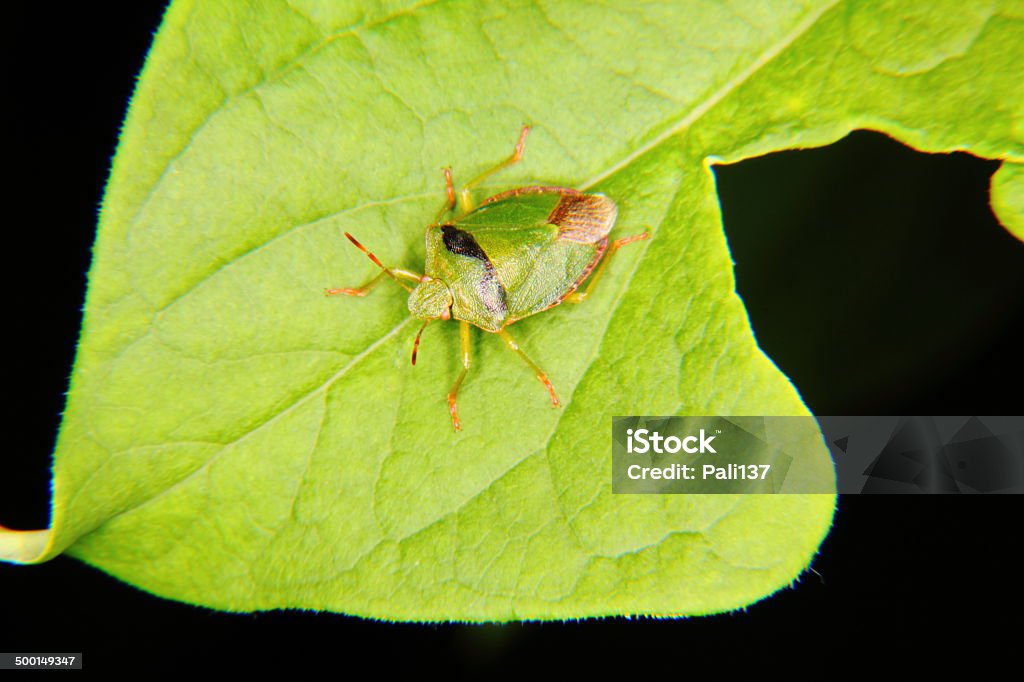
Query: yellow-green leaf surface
(235,439)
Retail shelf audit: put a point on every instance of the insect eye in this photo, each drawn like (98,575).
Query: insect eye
(447,314)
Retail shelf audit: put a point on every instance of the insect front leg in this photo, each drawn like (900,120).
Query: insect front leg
(368,287)
(397,274)
(449,190)
(579,297)
(507,338)
(464,336)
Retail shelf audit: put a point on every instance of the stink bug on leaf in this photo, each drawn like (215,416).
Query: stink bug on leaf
(518,253)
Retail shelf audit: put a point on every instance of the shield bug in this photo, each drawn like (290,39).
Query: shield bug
(518,253)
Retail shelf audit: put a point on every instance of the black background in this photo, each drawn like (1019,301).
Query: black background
(886,287)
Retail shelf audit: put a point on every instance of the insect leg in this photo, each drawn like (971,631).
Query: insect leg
(396,274)
(464,336)
(540,373)
(368,287)
(359,291)
(449,189)
(517,154)
(579,297)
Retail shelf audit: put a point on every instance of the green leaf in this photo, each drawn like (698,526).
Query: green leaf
(235,439)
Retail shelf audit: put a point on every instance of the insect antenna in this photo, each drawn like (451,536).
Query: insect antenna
(379,264)
(416,343)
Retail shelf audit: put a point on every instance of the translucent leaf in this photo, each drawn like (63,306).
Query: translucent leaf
(235,439)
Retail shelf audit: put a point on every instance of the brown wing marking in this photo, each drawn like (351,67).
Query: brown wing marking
(583,218)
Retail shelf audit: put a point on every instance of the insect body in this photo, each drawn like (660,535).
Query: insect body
(519,253)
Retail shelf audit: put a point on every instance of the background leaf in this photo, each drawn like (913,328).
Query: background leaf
(233,440)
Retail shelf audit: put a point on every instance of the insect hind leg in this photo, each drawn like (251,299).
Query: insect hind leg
(580,296)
